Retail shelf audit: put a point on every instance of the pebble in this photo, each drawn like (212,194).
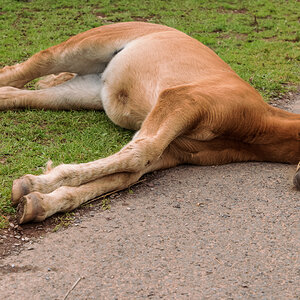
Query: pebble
(130,208)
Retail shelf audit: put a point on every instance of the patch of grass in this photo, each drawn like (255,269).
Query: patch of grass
(4,222)
(130,191)
(105,204)
(64,221)
(259,39)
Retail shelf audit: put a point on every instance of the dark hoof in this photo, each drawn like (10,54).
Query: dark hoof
(30,209)
(297,179)
(20,188)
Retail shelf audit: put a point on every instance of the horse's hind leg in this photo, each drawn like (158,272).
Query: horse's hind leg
(61,58)
(81,92)
(86,53)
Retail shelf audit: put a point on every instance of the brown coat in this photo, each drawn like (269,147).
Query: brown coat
(186,103)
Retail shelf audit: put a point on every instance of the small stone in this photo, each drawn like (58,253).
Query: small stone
(225,216)
(30,248)
(17,236)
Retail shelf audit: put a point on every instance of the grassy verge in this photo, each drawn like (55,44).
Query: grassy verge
(259,39)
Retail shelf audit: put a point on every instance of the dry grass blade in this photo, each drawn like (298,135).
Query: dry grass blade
(72,288)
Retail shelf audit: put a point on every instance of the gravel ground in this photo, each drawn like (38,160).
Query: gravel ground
(222,232)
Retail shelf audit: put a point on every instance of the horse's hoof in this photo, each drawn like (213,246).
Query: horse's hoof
(20,188)
(297,179)
(30,209)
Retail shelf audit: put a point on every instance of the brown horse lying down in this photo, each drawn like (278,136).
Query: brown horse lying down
(186,104)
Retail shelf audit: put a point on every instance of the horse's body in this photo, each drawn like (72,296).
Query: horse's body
(186,103)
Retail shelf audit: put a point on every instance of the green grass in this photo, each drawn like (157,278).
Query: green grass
(259,39)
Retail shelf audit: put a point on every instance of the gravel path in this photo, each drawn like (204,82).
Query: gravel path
(223,232)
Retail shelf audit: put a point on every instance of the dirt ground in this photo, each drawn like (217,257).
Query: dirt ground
(221,232)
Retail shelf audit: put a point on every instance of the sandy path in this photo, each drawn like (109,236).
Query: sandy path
(188,233)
